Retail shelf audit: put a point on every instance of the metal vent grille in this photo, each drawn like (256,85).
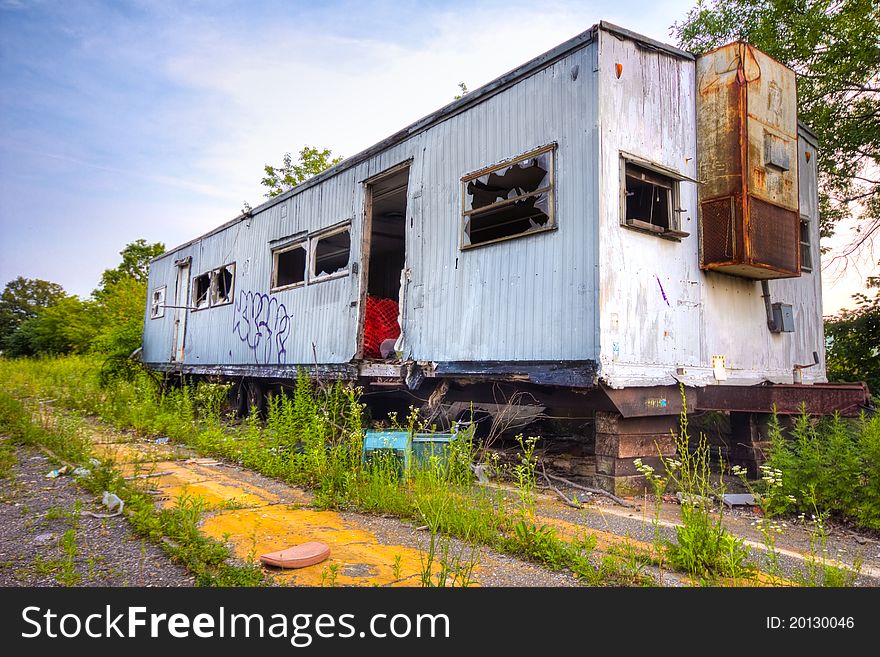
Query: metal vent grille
(718,230)
(773,236)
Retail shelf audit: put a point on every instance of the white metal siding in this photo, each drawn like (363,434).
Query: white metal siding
(650,111)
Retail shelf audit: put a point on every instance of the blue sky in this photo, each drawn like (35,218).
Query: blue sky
(153,119)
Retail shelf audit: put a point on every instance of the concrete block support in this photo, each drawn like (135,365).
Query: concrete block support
(619,441)
(750,435)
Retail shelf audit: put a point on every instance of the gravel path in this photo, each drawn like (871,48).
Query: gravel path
(37,515)
(38,548)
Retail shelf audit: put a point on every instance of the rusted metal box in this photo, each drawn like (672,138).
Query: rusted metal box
(747,162)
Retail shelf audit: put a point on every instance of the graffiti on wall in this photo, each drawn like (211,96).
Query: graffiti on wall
(263,324)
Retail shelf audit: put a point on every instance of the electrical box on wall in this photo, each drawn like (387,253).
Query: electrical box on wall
(783,318)
(747,163)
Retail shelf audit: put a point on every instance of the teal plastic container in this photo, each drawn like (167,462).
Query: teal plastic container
(395,443)
(405,448)
(426,445)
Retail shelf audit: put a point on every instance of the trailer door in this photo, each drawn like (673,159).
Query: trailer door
(181,310)
(383,262)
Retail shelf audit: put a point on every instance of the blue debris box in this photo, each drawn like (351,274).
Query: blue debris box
(405,448)
(426,445)
(395,444)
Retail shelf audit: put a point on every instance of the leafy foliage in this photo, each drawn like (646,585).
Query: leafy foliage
(122,317)
(22,299)
(853,338)
(829,466)
(834,46)
(135,265)
(312,161)
(45,320)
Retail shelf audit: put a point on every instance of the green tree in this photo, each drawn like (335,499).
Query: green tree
(135,264)
(834,47)
(853,338)
(312,161)
(21,299)
(122,306)
(67,326)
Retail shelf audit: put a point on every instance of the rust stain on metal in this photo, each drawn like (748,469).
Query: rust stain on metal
(747,159)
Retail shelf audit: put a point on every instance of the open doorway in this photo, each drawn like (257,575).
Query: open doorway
(384,259)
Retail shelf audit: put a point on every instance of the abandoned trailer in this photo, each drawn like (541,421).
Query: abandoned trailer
(582,235)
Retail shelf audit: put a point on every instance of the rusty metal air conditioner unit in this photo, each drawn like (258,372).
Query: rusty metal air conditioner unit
(747,162)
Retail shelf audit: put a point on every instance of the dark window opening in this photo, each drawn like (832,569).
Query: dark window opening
(290,266)
(221,288)
(806,251)
(201,286)
(649,199)
(332,253)
(511,200)
(157,308)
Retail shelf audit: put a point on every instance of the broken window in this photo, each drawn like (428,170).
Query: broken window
(289,266)
(157,303)
(332,253)
(213,288)
(806,249)
(221,285)
(509,200)
(650,200)
(200,288)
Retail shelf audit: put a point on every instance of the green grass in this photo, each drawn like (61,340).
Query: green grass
(7,457)
(311,438)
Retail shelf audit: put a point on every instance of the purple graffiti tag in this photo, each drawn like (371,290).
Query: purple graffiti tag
(262,323)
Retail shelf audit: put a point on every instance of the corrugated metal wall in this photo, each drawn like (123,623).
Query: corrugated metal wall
(532,298)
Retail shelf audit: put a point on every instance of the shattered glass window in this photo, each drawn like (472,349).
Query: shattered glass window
(648,197)
(221,285)
(332,253)
(510,200)
(200,289)
(157,307)
(806,245)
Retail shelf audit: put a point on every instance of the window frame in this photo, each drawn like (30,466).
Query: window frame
(157,309)
(192,291)
(312,254)
(209,297)
(804,220)
(674,232)
(301,243)
(550,190)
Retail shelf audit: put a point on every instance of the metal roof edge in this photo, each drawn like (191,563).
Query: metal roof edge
(808,132)
(641,39)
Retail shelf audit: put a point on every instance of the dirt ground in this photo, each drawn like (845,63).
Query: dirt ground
(37,512)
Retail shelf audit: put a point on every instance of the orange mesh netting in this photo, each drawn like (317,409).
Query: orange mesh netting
(380,323)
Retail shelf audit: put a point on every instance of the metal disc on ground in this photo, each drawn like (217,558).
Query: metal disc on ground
(297,556)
